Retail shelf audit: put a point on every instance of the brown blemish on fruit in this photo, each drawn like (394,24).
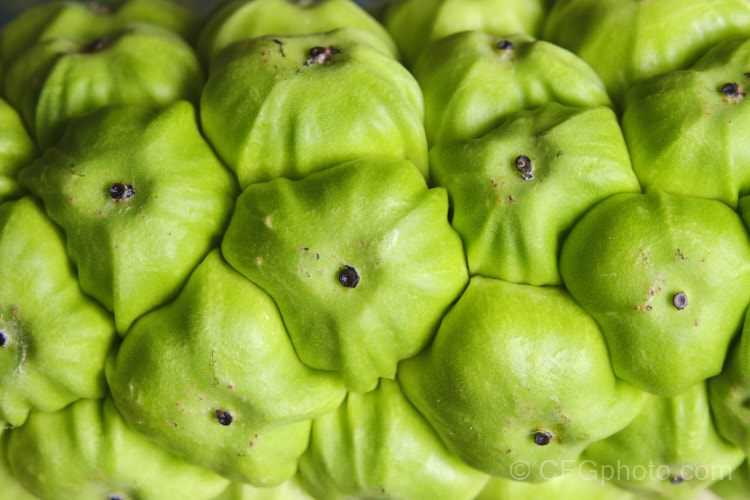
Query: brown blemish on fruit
(224,417)
(511,199)
(678,255)
(281,46)
(543,438)
(321,55)
(493,182)
(525,167)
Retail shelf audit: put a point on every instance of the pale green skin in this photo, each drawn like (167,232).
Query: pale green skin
(685,135)
(87,451)
(736,486)
(240,19)
(134,255)
(221,345)
(579,481)
(626,41)
(626,259)
(57,79)
(512,360)
(288,490)
(56,337)
(11,489)
(377,445)
(512,228)
(375,215)
(16,150)
(415,24)
(470,86)
(729,393)
(68,19)
(360,103)
(672,437)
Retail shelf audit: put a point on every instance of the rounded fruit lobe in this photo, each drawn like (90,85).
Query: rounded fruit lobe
(61,78)
(87,452)
(341,99)
(54,339)
(730,393)
(377,445)
(415,24)
(16,151)
(134,254)
(295,238)
(511,363)
(213,378)
(240,19)
(517,190)
(473,81)
(89,21)
(686,130)
(626,41)
(628,259)
(671,449)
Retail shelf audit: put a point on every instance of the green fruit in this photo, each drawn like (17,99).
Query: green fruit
(241,19)
(53,338)
(87,452)
(626,41)
(61,78)
(513,221)
(89,21)
(142,199)
(327,102)
(473,81)
(289,490)
(360,259)
(671,450)
(686,128)
(377,445)
(518,375)
(238,403)
(668,279)
(415,24)
(16,150)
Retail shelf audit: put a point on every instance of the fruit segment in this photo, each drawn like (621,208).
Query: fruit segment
(62,78)
(53,338)
(242,19)
(687,130)
(473,81)
(16,151)
(517,190)
(668,279)
(360,259)
(518,374)
(340,99)
(626,41)
(142,199)
(378,445)
(213,377)
(87,452)
(671,450)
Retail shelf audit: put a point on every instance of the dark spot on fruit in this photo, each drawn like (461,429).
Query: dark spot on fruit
(746,403)
(120,192)
(349,277)
(321,55)
(3,339)
(96,46)
(542,438)
(523,165)
(224,417)
(676,480)
(505,45)
(732,90)
(680,300)
(281,46)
